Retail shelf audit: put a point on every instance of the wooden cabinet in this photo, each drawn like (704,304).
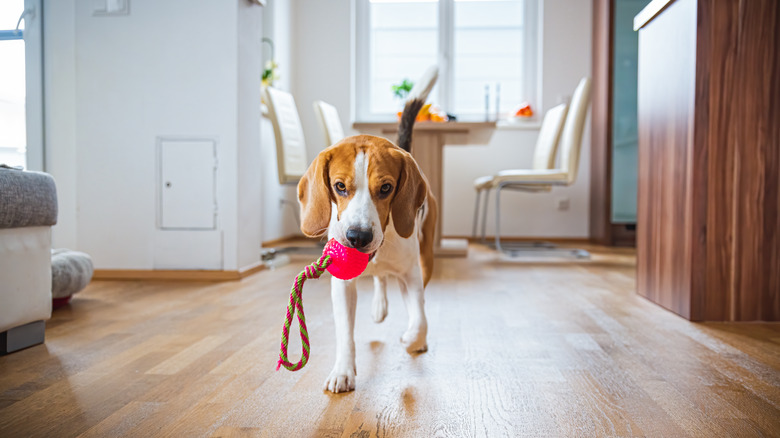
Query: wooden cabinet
(708,227)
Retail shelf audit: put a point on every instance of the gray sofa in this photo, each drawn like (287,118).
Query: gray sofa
(28,209)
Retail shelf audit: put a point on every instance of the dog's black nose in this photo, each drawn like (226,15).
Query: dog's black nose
(359,238)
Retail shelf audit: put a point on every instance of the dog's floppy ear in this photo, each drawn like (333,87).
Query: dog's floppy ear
(314,197)
(409,197)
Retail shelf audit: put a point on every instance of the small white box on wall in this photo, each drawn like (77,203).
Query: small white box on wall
(188,234)
(187,184)
(105,8)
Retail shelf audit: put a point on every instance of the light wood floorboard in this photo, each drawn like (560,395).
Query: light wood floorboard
(531,347)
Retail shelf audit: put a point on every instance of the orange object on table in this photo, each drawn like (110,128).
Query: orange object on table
(523,110)
(429,113)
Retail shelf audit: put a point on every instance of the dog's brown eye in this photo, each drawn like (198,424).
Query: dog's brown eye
(385,189)
(340,187)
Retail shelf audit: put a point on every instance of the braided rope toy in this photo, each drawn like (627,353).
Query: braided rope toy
(343,263)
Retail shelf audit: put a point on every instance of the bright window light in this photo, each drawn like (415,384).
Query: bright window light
(13,127)
(485,50)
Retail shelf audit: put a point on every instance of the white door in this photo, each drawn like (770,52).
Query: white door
(21,84)
(188,184)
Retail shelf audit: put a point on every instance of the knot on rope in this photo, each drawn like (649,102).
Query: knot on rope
(295,306)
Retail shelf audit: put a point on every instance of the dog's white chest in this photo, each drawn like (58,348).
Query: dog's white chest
(396,255)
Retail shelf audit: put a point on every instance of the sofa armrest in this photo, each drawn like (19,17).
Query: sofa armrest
(27,199)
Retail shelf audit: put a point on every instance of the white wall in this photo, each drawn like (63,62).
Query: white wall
(60,118)
(117,83)
(250,183)
(322,57)
(323,35)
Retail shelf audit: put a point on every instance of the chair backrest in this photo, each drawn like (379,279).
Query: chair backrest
(328,116)
(549,135)
(291,159)
(571,138)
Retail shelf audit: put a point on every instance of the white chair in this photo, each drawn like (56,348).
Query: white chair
(541,180)
(330,123)
(544,158)
(291,159)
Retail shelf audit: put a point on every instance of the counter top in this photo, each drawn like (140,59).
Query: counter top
(426,126)
(649,12)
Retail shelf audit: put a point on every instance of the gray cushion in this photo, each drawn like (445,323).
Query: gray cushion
(27,199)
(71,271)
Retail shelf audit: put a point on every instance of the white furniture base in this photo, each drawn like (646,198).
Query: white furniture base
(25,270)
(452,248)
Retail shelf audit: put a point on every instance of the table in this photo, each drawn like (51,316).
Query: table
(428,141)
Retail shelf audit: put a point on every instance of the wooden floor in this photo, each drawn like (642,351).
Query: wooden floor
(517,348)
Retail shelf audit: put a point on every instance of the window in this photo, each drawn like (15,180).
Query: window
(13,139)
(485,49)
(21,84)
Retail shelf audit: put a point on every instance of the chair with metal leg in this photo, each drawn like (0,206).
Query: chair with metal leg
(544,159)
(541,180)
(291,157)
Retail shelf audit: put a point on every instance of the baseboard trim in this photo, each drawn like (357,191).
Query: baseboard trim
(572,240)
(282,240)
(254,268)
(178,275)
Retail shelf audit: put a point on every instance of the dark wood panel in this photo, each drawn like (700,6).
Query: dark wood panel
(760,50)
(601,120)
(709,227)
(713,233)
(738,130)
(666,103)
(623,235)
(754,144)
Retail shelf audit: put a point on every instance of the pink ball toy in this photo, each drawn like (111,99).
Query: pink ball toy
(346,263)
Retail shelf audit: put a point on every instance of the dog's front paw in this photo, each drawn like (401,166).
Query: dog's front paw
(414,341)
(341,379)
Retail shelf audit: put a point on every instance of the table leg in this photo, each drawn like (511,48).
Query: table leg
(427,150)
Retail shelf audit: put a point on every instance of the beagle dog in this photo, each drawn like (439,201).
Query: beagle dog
(369,194)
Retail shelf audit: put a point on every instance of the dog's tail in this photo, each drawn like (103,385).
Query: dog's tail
(408,117)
